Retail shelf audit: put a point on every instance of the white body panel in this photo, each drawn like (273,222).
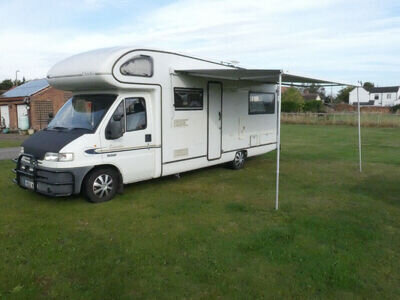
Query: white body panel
(181,140)
(5,113)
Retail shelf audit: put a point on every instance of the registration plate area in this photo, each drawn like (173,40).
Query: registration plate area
(27,182)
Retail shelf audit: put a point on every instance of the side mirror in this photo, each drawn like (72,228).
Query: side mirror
(114,130)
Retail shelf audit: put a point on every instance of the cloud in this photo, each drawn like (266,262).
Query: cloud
(355,40)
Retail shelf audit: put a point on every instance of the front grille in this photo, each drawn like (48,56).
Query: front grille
(27,168)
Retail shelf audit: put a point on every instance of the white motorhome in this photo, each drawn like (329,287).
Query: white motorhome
(138,114)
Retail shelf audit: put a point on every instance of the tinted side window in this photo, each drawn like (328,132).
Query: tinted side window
(188,99)
(141,65)
(135,114)
(261,103)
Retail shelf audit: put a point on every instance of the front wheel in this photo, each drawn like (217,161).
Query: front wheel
(238,161)
(101,185)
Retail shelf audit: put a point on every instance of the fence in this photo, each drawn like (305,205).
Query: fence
(369,119)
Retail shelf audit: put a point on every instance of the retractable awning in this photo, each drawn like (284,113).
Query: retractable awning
(280,78)
(261,75)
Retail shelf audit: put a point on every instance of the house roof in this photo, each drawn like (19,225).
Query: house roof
(310,96)
(27,89)
(384,89)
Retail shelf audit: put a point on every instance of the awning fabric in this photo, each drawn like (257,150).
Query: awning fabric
(261,75)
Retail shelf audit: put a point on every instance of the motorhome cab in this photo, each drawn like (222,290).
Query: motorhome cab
(138,114)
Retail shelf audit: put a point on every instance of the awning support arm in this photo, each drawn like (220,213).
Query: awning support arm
(359,129)
(278,140)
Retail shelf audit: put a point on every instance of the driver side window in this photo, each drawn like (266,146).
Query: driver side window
(130,115)
(135,109)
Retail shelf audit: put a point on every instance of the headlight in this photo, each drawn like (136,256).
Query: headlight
(21,150)
(65,156)
(50,156)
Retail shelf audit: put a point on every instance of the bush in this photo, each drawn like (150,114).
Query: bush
(313,106)
(291,106)
(395,108)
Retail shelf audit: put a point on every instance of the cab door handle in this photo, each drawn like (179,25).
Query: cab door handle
(147,138)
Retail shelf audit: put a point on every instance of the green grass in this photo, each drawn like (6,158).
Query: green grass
(10,143)
(214,232)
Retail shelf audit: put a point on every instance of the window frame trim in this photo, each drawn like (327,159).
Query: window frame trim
(261,113)
(190,108)
(137,56)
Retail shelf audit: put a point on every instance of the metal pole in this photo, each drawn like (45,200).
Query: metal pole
(359,130)
(278,140)
(16,77)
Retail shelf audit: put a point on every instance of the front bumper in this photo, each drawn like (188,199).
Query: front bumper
(48,181)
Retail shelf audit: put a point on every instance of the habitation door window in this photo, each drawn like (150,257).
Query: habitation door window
(141,65)
(188,99)
(261,103)
(376,96)
(135,109)
(388,96)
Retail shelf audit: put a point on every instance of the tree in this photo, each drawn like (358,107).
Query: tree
(343,94)
(368,85)
(6,84)
(312,89)
(315,89)
(292,100)
(293,95)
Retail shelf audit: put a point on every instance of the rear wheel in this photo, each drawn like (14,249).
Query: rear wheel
(101,185)
(238,161)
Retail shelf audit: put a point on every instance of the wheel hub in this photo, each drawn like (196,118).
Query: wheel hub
(239,158)
(102,185)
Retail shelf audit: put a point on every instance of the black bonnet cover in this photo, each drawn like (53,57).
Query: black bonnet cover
(49,141)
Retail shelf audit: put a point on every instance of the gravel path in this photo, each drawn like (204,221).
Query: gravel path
(9,153)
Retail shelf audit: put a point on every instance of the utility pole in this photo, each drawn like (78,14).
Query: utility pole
(16,77)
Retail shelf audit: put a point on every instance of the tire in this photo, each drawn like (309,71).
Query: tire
(238,161)
(101,185)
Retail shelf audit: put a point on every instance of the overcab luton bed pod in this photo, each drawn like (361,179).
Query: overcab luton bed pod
(138,114)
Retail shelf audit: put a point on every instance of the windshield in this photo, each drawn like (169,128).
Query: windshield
(82,112)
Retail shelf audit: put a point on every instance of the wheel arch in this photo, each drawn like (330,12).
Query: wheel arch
(105,166)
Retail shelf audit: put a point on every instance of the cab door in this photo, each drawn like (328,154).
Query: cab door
(134,152)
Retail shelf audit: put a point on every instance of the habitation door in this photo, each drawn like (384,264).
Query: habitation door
(21,112)
(4,113)
(214,113)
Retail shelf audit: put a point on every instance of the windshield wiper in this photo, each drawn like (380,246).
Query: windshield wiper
(60,128)
(81,128)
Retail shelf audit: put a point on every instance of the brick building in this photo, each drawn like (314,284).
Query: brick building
(36,99)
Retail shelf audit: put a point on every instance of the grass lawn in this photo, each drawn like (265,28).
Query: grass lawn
(10,143)
(214,233)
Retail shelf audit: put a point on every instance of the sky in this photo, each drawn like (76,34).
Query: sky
(345,40)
